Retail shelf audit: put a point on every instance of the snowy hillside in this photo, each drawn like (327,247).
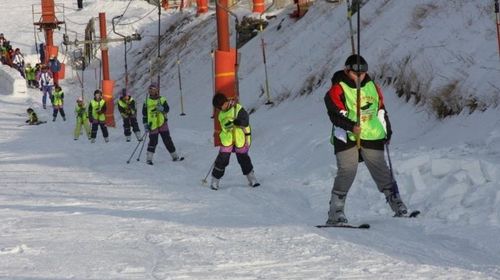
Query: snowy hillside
(75,210)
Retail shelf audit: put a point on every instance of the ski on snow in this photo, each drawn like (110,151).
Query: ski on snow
(412,214)
(342,225)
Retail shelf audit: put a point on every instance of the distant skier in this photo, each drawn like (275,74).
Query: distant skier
(55,67)
(154,118)
(30,72)
(97,117)
(46,83)
(58,103)
(374,131)
(235,137)
(82,119)
(128,111)
(32,117)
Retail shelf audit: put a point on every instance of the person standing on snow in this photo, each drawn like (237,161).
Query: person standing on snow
(82,119)
(46,82)
(58,103)
(374,131)
(154,118)
(97,117)
(30,75)
(235,137)
(128,111)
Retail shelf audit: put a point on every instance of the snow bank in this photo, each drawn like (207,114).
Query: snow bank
(11,82)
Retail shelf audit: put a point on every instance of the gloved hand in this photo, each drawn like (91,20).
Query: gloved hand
(228,125)
(237,122)
(146,127)
(159,108)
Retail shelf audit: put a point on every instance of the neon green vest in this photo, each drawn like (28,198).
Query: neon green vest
(155,118)
(371,127)
(96,107)
(81,112)
(58,100)
(241,135)
(124,105)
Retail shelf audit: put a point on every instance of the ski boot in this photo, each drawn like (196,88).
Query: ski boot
(336,214)
(176,157)
(252,180)
(149,158)
(394,200)
(127,138)
(106,139)
(138,135)
(214,184)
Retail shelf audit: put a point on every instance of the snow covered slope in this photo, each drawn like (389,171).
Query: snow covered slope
(74,210)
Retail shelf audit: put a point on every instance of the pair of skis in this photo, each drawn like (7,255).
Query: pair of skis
(413,214)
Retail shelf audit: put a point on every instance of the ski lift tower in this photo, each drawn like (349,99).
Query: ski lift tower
(47,23)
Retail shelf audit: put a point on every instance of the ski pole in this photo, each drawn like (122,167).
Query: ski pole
(204,181)
(497,11)
(358,82)
(180,83)
(137,146)
(268,94)
(142,147)
(395,188)
(349,18)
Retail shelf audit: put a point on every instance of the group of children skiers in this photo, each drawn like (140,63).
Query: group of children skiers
(355,139)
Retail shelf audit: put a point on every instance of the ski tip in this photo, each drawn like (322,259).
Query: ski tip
(414,214)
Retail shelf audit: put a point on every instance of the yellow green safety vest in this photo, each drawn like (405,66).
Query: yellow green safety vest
(81,112)
(371,126)
(96,107)
(155,118)
(241,135)
(58,98)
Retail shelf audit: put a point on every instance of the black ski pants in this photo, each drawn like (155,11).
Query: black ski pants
(222,161)
(95,126)
(130,122)
(165,136)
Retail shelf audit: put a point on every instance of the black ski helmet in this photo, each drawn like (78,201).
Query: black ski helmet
(97,91)
(351,63)
(219,100)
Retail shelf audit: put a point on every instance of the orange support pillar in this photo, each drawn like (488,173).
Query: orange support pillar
(225,62)
(107,95)
(259,6)
(202,6)
(104,46)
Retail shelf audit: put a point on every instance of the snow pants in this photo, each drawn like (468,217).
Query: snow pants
(58,109)
(130,122)
(222,161)
(46,90)
(347,166)
(95,126)
(78,127)
(165,136)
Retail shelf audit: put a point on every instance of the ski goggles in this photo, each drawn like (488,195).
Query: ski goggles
(357,67)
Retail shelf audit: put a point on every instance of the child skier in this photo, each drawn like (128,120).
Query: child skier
(128,111)
(32,118)
(235,137)
(154,118)
(82,119)
(30,75)
(57,103)
(96,111)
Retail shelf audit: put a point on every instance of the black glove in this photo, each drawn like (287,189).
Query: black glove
(228,125)
(237,122)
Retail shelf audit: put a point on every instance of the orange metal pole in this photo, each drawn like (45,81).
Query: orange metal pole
(259,6)
(107,84)
(202,6)
(225,58)
(104,46)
